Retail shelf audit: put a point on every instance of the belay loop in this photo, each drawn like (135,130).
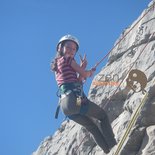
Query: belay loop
(80,98)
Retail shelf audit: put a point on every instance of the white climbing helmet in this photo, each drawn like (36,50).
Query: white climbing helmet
(69,37)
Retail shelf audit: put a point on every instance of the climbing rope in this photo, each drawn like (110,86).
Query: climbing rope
(130,68)
(152,6)
(135,116)
(133,120)
(132,123)
(143,101)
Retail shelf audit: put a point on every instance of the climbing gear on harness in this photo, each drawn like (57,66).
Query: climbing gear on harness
(79,95)
(79,101)
(76,88)
(69,37)
(73,90)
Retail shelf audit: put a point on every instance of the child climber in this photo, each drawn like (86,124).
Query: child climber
(73,102)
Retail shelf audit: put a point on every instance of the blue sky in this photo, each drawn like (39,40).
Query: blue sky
(29,32)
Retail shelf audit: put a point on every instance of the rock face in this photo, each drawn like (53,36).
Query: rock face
(134,50)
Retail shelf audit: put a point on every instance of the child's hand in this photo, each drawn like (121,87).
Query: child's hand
(92,71)
(83,62)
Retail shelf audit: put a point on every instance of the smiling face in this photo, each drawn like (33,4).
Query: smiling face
(69,49)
